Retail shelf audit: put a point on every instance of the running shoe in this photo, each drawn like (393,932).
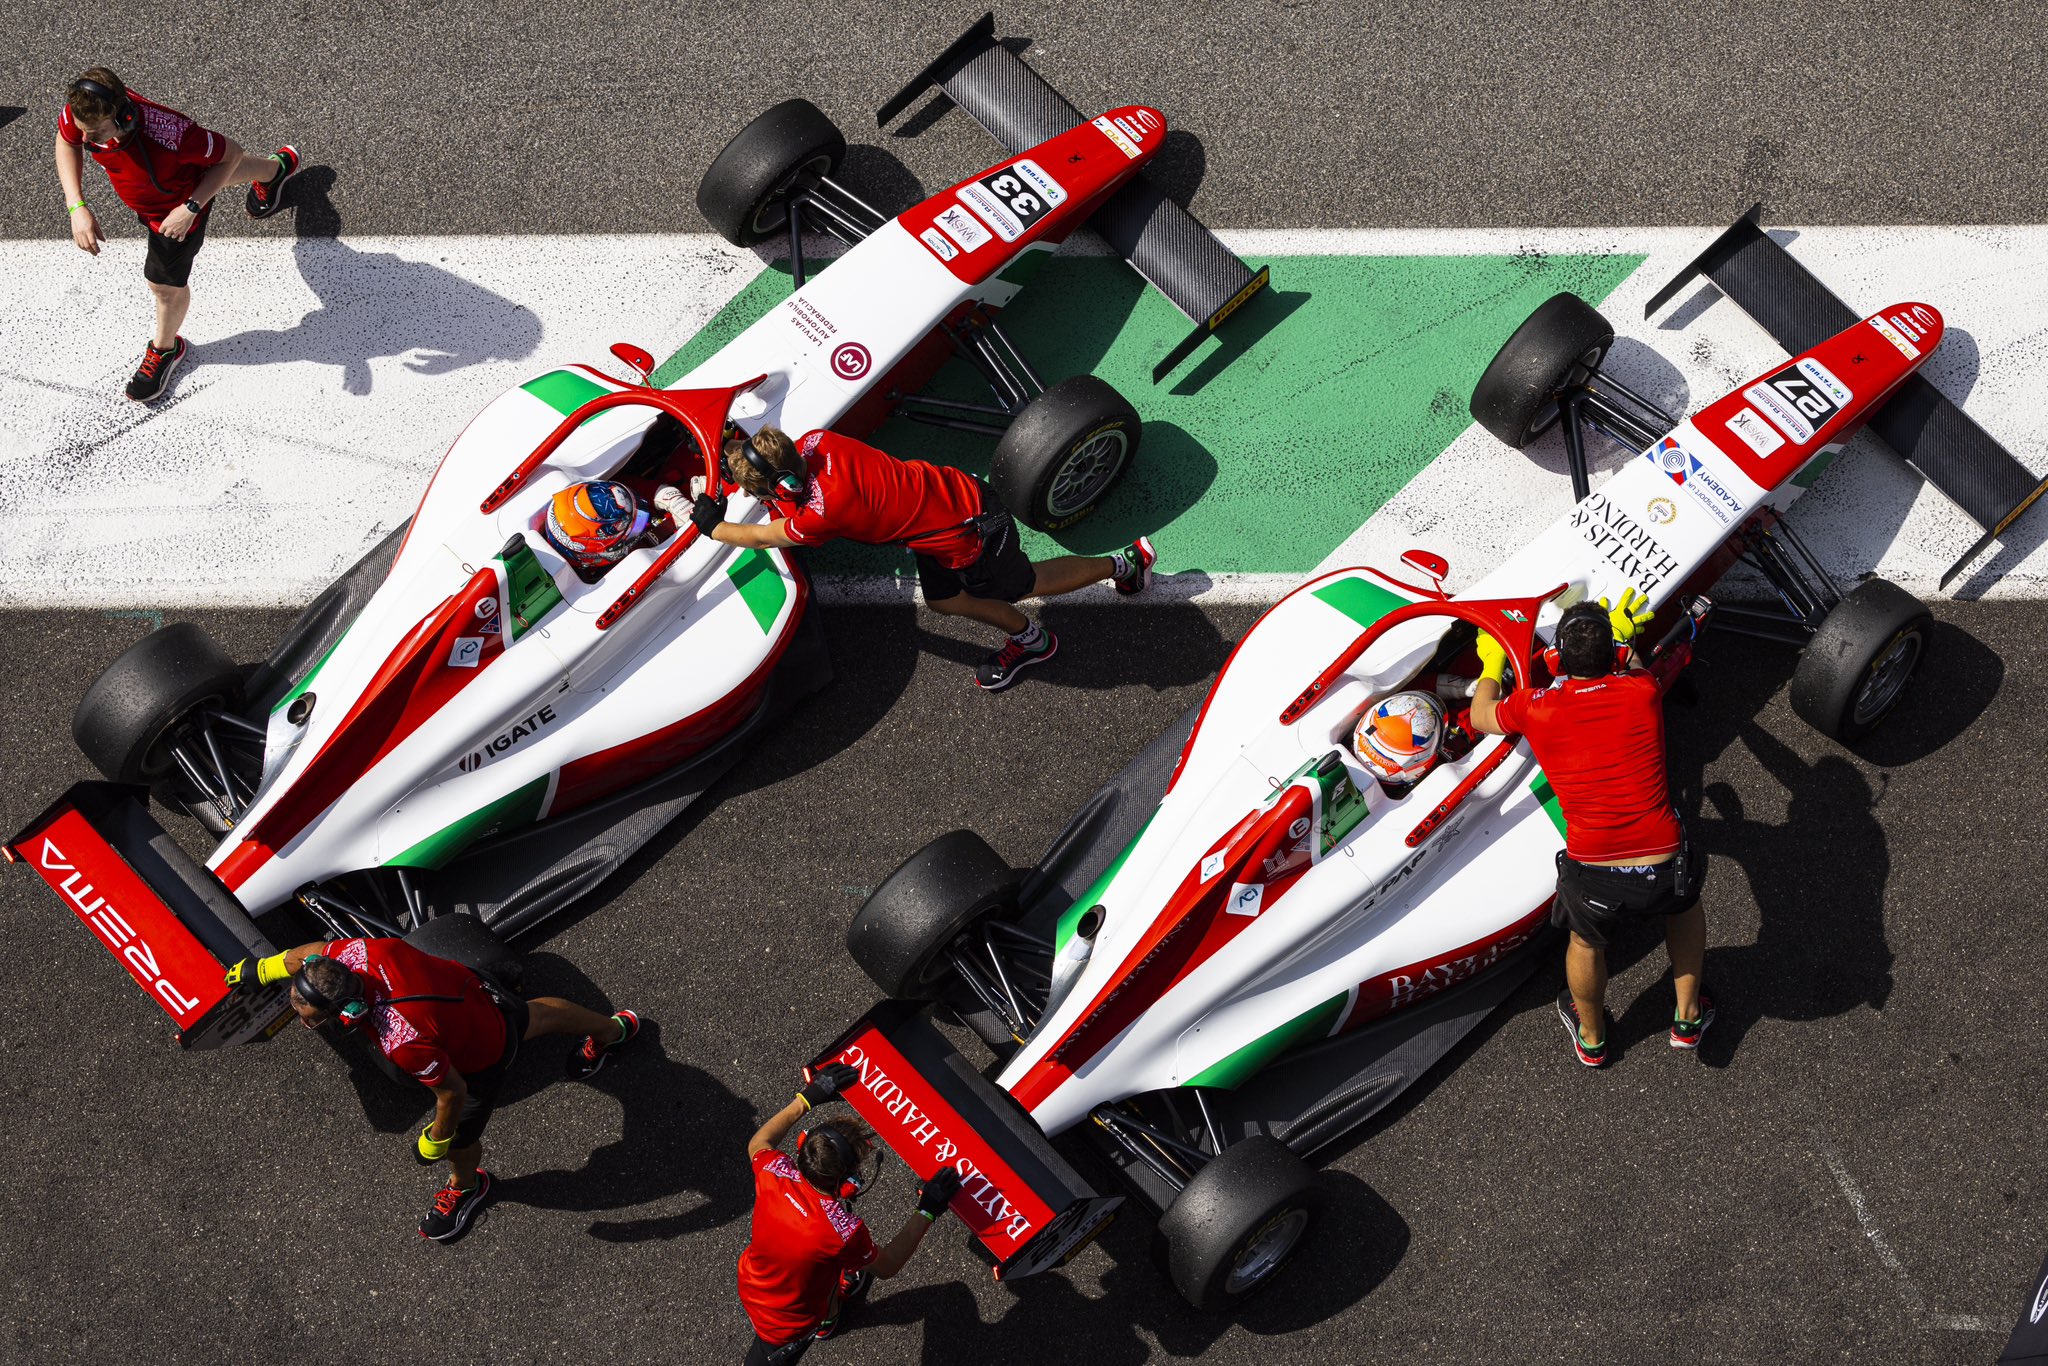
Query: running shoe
(1686,1034)
(266,197)
(1131,567)
(453,1209)
(1000,669)
(853,1288)
(153,376)
(1589,1054)
(585,1061)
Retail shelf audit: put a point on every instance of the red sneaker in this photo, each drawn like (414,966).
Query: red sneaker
(454,1208)
(585,1061)
(1592,1055)
(1686,1034)
(266,197)
(153,376)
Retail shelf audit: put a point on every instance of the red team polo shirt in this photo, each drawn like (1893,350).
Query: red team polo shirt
(1601,744)
(803,1239)
(429,1039)
(166,143)
(857,493)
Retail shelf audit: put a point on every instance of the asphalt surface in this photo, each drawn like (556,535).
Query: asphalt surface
(1847,1173)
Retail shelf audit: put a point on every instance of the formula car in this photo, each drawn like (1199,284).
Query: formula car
(1245,944)
(465,681)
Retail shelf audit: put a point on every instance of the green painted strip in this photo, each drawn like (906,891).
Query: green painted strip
(529,587)
(311,674)
(1361,600)
(1321,399)
(1093,896)
(1240,1066)
(564,390)
(516,808)
(761,588)
(1547,795)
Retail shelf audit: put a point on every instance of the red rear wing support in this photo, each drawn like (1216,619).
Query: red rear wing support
(166,919)
(1029,1210)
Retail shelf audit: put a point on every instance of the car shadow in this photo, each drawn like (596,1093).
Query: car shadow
(1165,646)
(376,304)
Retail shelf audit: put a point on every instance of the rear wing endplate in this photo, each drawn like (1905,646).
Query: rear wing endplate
(1028,1209)
(1930,433)
(1163,241)
(165,918)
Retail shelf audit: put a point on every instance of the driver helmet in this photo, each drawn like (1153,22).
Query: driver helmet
(1397,737)
(595,523)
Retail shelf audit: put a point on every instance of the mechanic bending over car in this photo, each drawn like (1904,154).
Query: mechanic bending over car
(1598,732)
(810,1256)
(446,1024)
(166,169)
(830,487)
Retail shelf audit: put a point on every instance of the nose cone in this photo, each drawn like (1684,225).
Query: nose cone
(1913,328)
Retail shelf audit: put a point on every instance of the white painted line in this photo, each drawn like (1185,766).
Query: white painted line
(1909,1290)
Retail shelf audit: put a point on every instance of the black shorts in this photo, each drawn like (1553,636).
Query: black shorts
(1593,901)
(170,263)
(1002,571)
(485,1085)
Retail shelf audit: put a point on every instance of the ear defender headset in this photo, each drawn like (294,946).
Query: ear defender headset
(786,483)
(1553,657)
(354,1003)
(126,116)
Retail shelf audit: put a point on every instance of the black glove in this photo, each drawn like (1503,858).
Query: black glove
(827,1082)
(706,513)
(939,1190)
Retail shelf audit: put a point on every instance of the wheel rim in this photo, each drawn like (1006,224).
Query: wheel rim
(1265,1250)
(1888,675)
(1577,373)
(1086,472)
(760,226)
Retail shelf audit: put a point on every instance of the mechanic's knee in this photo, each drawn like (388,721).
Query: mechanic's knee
(954,606)
(168,294)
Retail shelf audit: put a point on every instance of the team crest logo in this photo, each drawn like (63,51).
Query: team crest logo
(1662,511)
(1670,457)
(851,361)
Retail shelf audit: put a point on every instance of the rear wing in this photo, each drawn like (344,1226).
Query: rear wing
(1163,241)
(1027,1208)
(166,919)
(1930,433)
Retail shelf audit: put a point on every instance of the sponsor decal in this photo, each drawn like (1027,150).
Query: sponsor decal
(1025,193)
(1516,615)
(1145,119)
(1755,433)
(2040,1303)
(1825,381)
(1299,828)
(122,939)
(1246,898)
(962,226)
(1623,542)
(1662,511)
(936,240)
(1669,457)
(1212,865)
(466,651)
(991,210)
(1800,399)
(1116,135)
(810,320)
(504,740)
(1054,193)
(487,619)
(1684,469)
(1890,332)
(851,361)
(1406,988)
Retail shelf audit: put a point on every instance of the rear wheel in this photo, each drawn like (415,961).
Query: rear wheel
(1853,671)
(1560,345)
(1236,1223)
(744,194)
(1064,452)
(901,933)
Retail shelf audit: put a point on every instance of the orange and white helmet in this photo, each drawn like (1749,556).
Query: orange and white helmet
(594,523)
(1397,737)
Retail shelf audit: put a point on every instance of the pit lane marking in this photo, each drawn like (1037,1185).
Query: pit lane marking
(1909,1289)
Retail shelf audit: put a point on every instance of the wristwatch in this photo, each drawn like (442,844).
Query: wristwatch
(195,206)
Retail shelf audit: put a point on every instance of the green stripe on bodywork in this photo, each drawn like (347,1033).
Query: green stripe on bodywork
(1365,603)
(1239,1067)
(311,674)
(516,808)
(529,587)
(761,588)
(1093,896)
(564,390)
(1548,796)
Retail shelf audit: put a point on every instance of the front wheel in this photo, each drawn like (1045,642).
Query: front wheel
(745,192)
(1852,672)
(1560,345)
(1235,1224)
(1064,453)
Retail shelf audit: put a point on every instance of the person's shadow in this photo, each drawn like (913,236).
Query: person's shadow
(375,304)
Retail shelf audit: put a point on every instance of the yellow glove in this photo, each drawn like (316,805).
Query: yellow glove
(1631,616)
(258,972)
(433,1149)
(1493,657)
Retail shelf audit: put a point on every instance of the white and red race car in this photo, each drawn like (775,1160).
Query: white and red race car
(465,722)
(1245,945)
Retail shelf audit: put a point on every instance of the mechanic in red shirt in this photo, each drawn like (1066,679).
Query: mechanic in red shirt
(810,1256)
(167,169)
(447,1025)
(969,562)
(1598,732)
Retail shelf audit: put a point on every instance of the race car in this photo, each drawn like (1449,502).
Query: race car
(474,677)
(1248,942)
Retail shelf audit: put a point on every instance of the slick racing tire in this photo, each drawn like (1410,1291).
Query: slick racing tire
(1852,672)
(744,194)
(1561,344)
(156,683)
(1064,452)
(900,935)
(1237,1222)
